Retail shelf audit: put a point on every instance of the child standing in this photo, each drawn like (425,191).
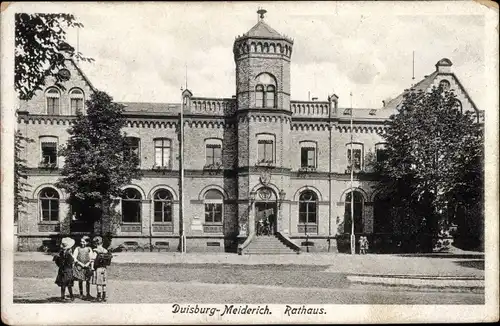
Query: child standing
(82,271)
(64,260)
(102,259)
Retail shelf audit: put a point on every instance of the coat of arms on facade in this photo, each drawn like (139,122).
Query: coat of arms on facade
(265,177)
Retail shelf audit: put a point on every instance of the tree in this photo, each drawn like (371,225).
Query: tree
(40,48)
(20,175)
(96,161)
(434,162)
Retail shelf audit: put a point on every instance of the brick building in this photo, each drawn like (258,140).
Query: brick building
(258,155)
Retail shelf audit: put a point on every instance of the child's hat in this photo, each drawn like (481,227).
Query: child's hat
(97,240)
(67,243)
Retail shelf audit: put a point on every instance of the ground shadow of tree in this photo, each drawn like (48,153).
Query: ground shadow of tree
(45,300)
(477,264)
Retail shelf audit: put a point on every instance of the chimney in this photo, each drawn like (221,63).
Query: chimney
(314,99)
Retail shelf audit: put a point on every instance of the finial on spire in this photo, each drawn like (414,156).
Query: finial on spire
(261,13)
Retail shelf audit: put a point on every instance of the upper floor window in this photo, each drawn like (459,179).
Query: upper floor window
(307,154)
(76,101)
(48,150)
(355,156)
(458,105)
(133,148)
(265,148)
(265,91)
(213,152)
(53,97)
(213,206)
(381,152)
(163,149)
(163,206)
(131,206)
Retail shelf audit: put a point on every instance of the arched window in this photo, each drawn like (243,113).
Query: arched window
(162,206)
(270,96)
(213,206)
(52,96)
(358,212)
(308,207)
(76,101)
(444,85)
(265,91)
(259,96)
(49,205)
(131,206)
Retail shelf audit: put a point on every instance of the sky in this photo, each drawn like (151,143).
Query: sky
(141,50)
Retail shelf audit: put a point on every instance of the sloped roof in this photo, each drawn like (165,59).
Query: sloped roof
(151,108)
(261,29)
(422,85)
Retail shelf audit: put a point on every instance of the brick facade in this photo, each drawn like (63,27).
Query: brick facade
(238,123)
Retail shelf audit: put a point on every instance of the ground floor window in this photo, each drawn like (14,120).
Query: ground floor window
(49,205)
(308,207)
(131,206)
(163,206)
(213,206)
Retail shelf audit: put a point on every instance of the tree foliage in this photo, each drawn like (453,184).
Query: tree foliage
(96,166)
(40,48)
(434,161)
(21,186)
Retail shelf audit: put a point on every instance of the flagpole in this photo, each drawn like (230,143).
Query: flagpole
(353,237)
(181,181)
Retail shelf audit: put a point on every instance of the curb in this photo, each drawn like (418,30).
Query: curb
(426,281)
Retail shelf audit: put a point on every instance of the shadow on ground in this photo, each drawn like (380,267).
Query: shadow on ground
(46,300)
(477,264)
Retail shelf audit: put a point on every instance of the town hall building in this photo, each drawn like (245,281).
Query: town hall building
(252,159)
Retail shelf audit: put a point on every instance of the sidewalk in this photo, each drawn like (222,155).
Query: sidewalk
(373,265)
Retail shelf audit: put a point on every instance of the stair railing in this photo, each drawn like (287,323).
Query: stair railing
(245,244)
(288,242)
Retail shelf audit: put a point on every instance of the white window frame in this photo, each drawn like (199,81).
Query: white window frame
(48,95)
(266,137)
(46,140)
(162,140)
(73,96)
(355,146)
(213,201)
(314,146)
(213,142)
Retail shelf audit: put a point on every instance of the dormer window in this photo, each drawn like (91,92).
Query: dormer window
(265,91)
(53,96)
(76,101)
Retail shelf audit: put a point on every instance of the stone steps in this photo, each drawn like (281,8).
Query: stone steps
(267,245)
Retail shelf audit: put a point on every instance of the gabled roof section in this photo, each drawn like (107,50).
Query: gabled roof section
(80,71)
(423,85)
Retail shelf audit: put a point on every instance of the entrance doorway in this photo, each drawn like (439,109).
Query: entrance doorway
(265,218)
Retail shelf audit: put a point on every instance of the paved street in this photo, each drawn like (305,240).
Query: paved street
(238,282)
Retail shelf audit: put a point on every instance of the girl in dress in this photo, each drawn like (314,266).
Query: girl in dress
(102,259)
(64,260)
(82,271)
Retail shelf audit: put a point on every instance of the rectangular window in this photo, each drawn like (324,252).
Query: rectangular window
(213,154)
(52,105)
(49,152)
(307,157)
(356,162)
(163,211)
(50,210)
(76,105)
(132,148)
(162,152)
(213,213)
(265,149)
(381,152)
